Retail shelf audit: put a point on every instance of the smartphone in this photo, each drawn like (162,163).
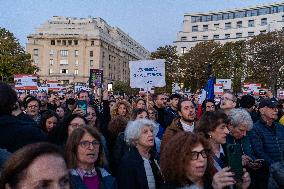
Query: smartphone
(234,154)
(82,104)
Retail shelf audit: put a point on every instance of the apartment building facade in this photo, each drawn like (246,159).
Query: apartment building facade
(229,25)
(66,48)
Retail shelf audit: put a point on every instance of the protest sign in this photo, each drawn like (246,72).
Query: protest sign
(96,78)
(218,89)
(227,83)
(25,82)
(147,73)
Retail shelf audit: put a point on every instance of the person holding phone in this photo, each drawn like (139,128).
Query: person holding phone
(213,125)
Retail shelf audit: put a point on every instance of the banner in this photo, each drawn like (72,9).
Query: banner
(227,83)
(25,82)
(147,73)
(218,89)
(96,78)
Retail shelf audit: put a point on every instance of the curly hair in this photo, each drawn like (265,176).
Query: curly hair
(177,155)
(114,110)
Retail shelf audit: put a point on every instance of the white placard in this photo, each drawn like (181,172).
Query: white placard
(218,89)
(227,83)
(147,73)
(25,82)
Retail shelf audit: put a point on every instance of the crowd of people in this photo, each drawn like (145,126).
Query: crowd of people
(155,141)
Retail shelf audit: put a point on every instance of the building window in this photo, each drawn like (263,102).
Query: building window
(239,24)
(52,42)
(64,71)
(63,62)
(50,71)
(36,61)
(195,19)
(263,11)
(264,21)
(76,71)
(251,23)
(281,9)
(75,42)
(76,52)
(35,52)
(228,25)
(51,62)
(283,18)
(205,37)
(205,27)
(251,13)
(182,39)
(217,17)
(92,43)
(64,53)
(225,16)
(216,26)
(183,50)
(64,42)
(250,34)
(69,42)
(194,28)
(194,38)
(91,53)
(240,14)
(58,42)
(91,63)
(51,52)
(274,10)
(76,62)
(227,36)
(215,36)
(239,35)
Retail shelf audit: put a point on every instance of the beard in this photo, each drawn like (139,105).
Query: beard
(187,120)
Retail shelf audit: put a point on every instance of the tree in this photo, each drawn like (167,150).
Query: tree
(123,87)
(265,60)
(195,64)
(169,53)
(13,59)
(228,63)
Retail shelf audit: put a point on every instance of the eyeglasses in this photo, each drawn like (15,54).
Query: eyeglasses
(75,126)
(204,153)
(225,98)
(87,144)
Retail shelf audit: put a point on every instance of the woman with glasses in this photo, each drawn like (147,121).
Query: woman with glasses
(86,159)
(213,125)
(186,163)
(138,168)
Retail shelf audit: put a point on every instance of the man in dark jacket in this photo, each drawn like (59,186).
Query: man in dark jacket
(267,137)
(15,133)
(171,111)
(160,105)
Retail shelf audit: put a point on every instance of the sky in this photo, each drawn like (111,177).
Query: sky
(152,23)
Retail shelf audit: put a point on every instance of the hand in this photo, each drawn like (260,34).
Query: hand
(246,160)
(223,178)
(246,180)
(78,111)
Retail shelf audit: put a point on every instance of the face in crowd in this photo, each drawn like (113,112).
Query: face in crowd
(121,110)
(33,108)
(219,134)
(60,112)
(174,102)
(76,123)
(187,111)
(84,96)
(227,101)
(269,113)
(91,116)
(146,138)
(209,107)
(141,104)
(239,131)
(50,123)
(161,101)
(42,97)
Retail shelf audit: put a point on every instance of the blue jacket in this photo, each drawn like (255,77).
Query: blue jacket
(106,180)
(267,142)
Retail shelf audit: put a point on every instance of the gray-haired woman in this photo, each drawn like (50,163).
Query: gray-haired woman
(138,168)
(240,124)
